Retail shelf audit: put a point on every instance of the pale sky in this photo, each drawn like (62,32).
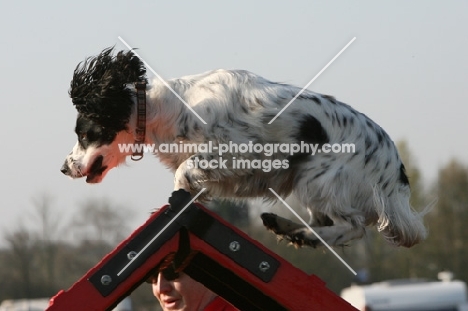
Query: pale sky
(407,70)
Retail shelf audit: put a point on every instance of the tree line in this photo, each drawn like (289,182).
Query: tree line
(40,260)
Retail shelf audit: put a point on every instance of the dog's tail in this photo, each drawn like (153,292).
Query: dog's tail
(399,223)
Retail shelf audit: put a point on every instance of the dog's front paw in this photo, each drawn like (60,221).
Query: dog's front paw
(194,173)
(185,180)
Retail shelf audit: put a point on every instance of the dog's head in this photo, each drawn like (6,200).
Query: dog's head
(102,94)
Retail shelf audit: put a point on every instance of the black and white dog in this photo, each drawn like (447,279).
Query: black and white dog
(344,192)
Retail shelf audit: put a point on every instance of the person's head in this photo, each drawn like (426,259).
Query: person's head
(178,291)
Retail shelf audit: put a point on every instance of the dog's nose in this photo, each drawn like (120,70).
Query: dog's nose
(65,169)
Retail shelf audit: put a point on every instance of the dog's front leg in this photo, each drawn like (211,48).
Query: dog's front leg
(202,170)
(181,180)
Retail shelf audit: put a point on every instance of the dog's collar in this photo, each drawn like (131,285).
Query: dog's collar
(141,120)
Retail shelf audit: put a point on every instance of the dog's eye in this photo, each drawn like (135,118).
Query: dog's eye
(82,136)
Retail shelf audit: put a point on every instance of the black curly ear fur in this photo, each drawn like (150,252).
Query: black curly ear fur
(99,87)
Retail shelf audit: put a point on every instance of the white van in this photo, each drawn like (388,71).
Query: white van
(409,295)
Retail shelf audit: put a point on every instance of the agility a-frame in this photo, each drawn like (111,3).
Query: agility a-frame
(209,250)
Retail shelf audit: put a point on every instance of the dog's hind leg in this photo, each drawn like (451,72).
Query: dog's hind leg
(337,234)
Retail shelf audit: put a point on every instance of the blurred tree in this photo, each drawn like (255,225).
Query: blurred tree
(99,220)
(38,262)
(448,221)
(20,262)
(234,212)
(49,227)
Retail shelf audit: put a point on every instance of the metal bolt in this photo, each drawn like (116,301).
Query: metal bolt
(106,279)
(131,255)
(234,246)
(264,266)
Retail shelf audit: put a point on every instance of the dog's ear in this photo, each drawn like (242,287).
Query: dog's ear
(130,67)
(99,88)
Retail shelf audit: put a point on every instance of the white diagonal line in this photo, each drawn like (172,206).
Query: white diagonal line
(160,232)
(162,80)
(313,79)
(312,230)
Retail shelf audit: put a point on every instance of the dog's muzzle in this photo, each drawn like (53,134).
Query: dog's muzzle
(93,174)
(65,169)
